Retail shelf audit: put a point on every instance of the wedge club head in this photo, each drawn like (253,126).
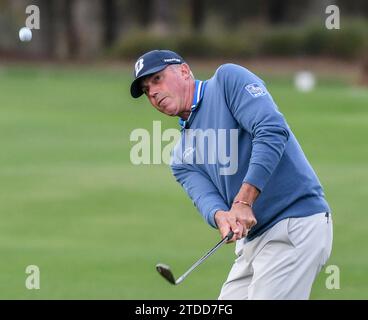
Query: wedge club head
(166,272)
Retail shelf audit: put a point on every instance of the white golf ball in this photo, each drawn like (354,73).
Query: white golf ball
(305,81)
(25,34)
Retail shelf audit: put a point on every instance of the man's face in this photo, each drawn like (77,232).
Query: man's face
(166,90)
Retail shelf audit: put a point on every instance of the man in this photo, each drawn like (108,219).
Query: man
(273,201)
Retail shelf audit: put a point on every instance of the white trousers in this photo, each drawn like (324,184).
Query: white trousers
(283,262)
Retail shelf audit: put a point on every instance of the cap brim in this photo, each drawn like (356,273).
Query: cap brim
(135,87)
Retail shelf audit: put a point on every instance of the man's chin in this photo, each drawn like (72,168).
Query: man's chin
(170,113)
(173,114)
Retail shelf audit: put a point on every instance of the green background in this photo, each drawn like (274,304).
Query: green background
(72,203)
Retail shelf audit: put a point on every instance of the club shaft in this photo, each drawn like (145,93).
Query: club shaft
(202,259)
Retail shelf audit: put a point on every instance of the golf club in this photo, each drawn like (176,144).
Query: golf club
(165,271)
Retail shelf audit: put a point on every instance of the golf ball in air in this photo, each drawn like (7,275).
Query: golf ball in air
(305,81)
(25,34)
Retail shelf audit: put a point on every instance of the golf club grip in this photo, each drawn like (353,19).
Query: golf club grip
(229,235)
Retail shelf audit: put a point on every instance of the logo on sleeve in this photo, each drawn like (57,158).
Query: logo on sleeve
(255,90)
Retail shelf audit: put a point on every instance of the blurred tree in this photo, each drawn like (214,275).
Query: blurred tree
(76,27)
(144,12)
(233,12)
(48,26)
(162,16)
(81,28)
(276,10)
(109,21)
(364,70)
(197,12)
(71,34)
(353,8)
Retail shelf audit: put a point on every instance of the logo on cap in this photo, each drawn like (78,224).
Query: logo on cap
(138,66)
(172,60)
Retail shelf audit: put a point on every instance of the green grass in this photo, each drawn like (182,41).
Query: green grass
(72,203)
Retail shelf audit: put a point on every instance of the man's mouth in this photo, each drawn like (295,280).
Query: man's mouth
(159,103)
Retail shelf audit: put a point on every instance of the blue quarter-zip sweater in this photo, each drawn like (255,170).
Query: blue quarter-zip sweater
(236,134)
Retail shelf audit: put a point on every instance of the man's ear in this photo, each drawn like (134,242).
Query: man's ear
(185,71)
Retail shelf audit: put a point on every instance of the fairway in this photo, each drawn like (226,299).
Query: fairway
(96,225)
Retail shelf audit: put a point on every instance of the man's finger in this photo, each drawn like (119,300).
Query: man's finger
(241,231)
(245,232)
(236,236)
(234,227)
(224,231)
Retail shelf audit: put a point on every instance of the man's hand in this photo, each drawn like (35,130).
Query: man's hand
(240,219)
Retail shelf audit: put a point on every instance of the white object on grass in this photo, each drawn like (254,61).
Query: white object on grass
(305,81)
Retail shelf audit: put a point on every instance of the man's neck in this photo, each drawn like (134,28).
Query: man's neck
(188,100)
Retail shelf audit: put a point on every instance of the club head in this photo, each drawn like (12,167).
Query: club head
(165,271)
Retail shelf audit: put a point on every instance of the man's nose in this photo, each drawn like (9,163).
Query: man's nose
(152,92)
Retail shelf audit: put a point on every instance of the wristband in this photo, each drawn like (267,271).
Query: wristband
(243,202)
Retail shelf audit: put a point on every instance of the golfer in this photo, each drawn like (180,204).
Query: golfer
(266,192)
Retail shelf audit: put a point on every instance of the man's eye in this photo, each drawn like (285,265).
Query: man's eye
(158,77)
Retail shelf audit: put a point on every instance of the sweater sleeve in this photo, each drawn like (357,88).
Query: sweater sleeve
(256,112)
(201,190)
